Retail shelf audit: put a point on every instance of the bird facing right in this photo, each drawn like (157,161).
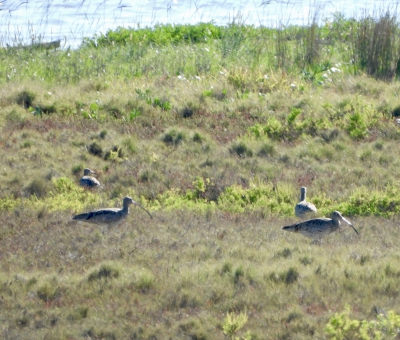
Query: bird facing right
(88,181)
(304,208)
(108,217)
(318,228)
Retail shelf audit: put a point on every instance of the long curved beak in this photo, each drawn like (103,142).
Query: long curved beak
(136,203)
(351,225)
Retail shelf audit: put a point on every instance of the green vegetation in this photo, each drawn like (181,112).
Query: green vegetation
(340,326)
(232,323)
(213,129)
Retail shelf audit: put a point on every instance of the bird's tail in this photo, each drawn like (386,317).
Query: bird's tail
(80,217)
(291,228)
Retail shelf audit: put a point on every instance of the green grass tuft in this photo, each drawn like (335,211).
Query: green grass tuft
(105,271)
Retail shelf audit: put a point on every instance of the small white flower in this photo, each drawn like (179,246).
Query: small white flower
(206,49)
(325,76)
(49,93)
(266,76)
(335,70)
(293,86)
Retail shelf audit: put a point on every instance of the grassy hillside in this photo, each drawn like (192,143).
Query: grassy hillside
(214,130)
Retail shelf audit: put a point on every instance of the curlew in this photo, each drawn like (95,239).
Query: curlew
(304,208)
(89,181)
(108,217)
(318,228)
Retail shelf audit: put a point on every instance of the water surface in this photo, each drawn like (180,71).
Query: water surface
(22,21)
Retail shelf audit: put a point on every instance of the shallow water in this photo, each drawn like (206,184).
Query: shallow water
(21,21)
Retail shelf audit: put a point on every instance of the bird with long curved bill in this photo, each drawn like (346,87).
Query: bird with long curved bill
(318,228)
(108,217)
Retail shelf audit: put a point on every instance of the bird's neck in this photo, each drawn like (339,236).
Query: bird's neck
(337,224)
(125,207)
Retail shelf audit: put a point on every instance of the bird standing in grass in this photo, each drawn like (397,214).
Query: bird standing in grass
(109,217)
(318,228)
(89,181)
(304,208)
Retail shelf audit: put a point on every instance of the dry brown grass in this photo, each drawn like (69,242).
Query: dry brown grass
(176,276)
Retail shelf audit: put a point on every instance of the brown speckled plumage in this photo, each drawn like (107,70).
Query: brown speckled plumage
(318,228)
(304,208)
(109,216)
(89,181)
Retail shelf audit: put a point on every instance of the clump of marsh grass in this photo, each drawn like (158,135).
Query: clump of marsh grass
(286,252)
(189,110)
(375,46)
(115,154)
(77,169)
(95,149)
(241,149)
(103,134)
(130,145)
(144,282)
(288,277)
(25,98)
(106,271)
(267,150)
(47,291)
(192,328)
(79,313)
(38,187)
(174,137)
